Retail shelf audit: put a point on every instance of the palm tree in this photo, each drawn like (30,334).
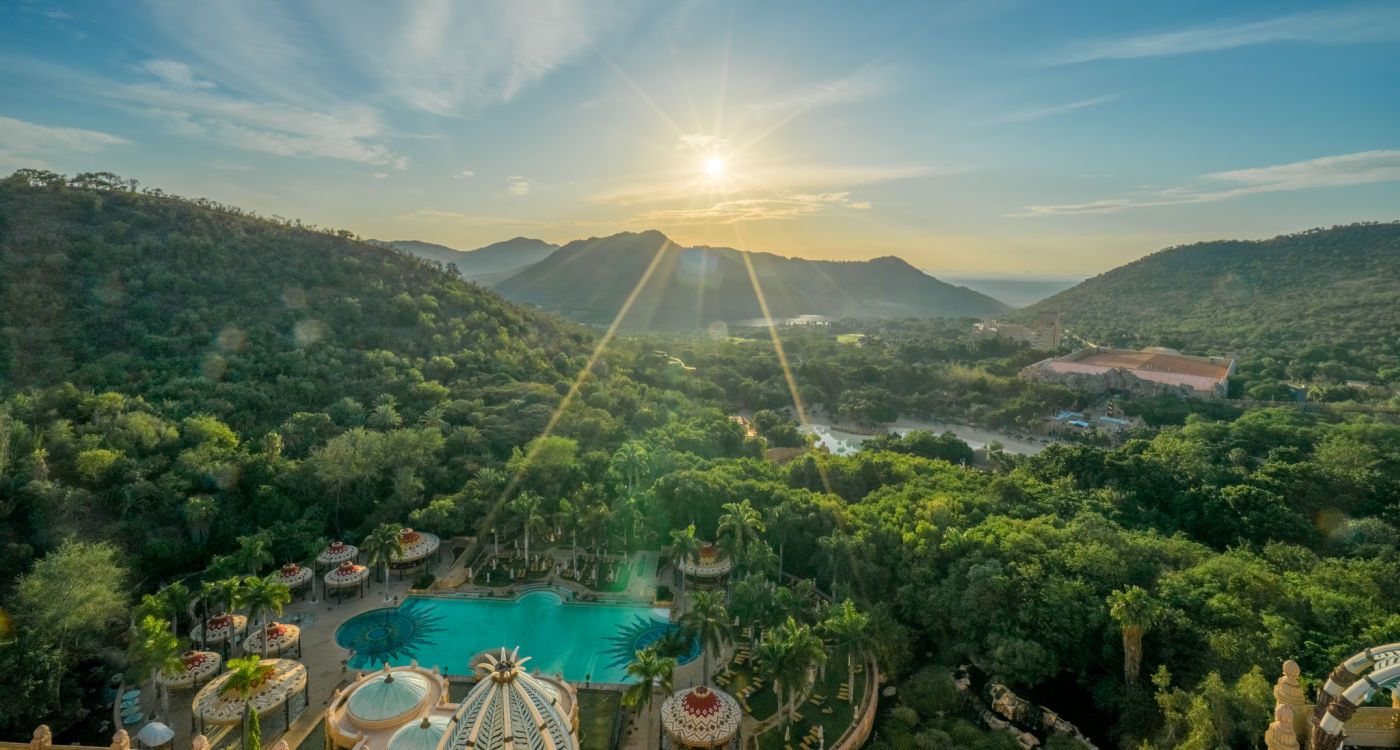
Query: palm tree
(254,551)
(631,461)
(526,508)
(1135,611)
(848,626)
(774,660)
(597,517)
(176,600)
(245,676)
(154,650)
(571,517)
(707,621)
(741,523)
(626,517)
(382,547)
(683,546)
(789,653)
(751,600)
(262,596)
(651,670)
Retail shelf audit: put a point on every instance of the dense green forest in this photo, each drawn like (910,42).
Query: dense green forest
(192,391)
(1314,307)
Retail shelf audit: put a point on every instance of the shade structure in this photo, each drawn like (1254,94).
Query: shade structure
(287,679)
(337,552)
(346,575)
(279,636)
(155,734)
(293,576)
(701,717)
(415,546)
(219,629)
(198,667)
(709,562)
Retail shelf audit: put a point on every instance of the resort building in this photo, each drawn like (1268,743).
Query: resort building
(409,708)
(1149,372)
(708,566)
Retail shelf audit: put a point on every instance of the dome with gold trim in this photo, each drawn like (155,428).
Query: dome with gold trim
(510,708)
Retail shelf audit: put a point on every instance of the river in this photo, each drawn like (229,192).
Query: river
(844,443)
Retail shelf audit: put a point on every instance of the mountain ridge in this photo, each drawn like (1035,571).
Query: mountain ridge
(483,263)
(694,287)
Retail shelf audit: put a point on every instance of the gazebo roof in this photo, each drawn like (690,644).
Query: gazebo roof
(198,665)
(337,552)
(509,708)
(701,717)
(221,627)
(293,576)
(416,545)
(709,562)
(287,679)
(387,698)
(281,637)
(346,574)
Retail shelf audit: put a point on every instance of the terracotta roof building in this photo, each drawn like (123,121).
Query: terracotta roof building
(1151,371)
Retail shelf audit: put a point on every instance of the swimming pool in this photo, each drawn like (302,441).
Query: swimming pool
(585,642)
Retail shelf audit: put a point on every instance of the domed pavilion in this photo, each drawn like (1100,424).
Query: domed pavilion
(408,708)
(701,718)
(708,566)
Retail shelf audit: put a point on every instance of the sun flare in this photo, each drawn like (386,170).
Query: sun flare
(714,166)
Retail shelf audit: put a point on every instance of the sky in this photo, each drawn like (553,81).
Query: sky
(989,136)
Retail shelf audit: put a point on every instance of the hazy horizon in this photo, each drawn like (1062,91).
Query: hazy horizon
(1025,137)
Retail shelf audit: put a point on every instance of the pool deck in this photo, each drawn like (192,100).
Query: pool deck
(325,659)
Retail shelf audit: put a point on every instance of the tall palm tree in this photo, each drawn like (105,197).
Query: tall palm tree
(597,517)
(741,524)
(751,600)
(176,599)
(526,509)
(848,626)
(652,670)
(800,652)
(707,621)
(154,650)
(262,596)
(684,545)
(627,516)
(254,552)
(1135,612)
(631,461)
(245,676)
(571,517)
(382,547)
(774,662)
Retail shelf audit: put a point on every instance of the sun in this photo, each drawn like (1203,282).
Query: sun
(714,166)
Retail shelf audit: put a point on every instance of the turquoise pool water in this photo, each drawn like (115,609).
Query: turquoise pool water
(593,642)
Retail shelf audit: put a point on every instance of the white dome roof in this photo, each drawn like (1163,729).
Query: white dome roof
(387,696)
(424,735)
(510,709)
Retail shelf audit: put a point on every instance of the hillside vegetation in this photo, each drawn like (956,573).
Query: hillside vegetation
(1320,304)
(691,288)
(490,262)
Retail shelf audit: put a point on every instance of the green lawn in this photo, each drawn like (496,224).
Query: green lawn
(597,712)
(834,723)
(763,703)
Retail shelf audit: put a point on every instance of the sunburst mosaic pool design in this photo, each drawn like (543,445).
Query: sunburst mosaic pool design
(392,634)
(643,632)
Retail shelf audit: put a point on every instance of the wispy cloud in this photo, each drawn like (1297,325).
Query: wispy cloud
(517,185)
(27,144)
(448,58)
(1041,113)
(1355,24)
(175,73)
(778,208)
(1360,168)
(865,83)
(464,174)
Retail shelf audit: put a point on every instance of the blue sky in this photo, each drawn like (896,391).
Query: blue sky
(989,136)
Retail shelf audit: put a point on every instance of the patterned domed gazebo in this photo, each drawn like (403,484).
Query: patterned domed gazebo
(389,708)
(294,576)
(709,563)
(281,638)
(284,688)
(346,576)
(416,547)
(220,629)
(701,718)
(509,708)
(336,553)
(198,666)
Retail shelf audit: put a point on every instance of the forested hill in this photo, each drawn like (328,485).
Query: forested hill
(241,318)
(691,288)
(490,261)
(1323,295)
